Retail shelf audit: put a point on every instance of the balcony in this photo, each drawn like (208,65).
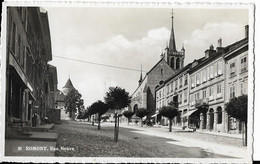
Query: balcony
(202,102)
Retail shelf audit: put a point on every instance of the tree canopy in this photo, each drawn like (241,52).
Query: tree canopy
(141,112)
(237,107)
(169,112)
(117,98)
(73,102)
(100,108)
(128,114)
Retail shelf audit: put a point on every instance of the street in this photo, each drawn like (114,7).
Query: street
(80,139)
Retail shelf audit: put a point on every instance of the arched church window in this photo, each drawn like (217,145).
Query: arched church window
(172,62)
(178,63)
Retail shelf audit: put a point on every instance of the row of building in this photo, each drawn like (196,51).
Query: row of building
(31,83)
(201,88)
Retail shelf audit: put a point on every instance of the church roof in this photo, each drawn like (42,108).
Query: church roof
(172,46)
(68,84)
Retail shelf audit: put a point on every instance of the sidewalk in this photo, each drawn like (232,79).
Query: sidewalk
(39,143)
(218,148)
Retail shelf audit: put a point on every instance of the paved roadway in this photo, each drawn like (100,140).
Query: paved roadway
(132,143)
(168,147)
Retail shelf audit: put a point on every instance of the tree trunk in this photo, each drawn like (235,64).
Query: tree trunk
(246,133)
(242,132)
(93,120)
(142,122)
(115,132)
(170,129)
(128,121)
(99,119)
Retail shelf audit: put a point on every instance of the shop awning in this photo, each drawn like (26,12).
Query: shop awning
(189,113)
(155,114)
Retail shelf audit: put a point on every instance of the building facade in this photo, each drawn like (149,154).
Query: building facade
(144,95)
(174,90)
(236,83)
(211,82)
(171,61)
(28,51)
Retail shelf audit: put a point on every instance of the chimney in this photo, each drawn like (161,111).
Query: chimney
(246,31)
(219,42)
(220,48)
(210,51)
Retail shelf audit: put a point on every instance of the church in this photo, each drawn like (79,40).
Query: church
(171,61)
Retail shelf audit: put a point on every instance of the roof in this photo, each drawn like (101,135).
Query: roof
(172,46)
(155,66)
(179,72)
(68,84)
(226,50)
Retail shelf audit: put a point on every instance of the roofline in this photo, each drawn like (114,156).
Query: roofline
(179,72)
(138,86)
(155,65)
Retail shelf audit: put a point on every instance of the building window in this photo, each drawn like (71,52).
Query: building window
(192,99)
(211,91)
(185,80)
(163,93)
(22,56)
(243,64)
(211,71)
(176,84)
(216,69)
(197,96)
(232,69)
(172,63)
(219,110)
(178,63)
(180,82)
(220,67)
(180,99)
(232,91)
(204,74)
(13,38)
(171,87)
(208,73)
(185,96)
(218,90)
(160,94)
(161,71)
(192,81)
(204,94)
(198,78)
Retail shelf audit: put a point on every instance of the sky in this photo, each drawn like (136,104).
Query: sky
(131,37)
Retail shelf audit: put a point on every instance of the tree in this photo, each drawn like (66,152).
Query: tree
(73,102)
(117,99)
(100,108)
(91,111)
(128,114)
(237,108)
(170,112)
(141,112)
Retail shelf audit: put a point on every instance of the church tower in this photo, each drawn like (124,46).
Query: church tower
(174,58)
(68,87)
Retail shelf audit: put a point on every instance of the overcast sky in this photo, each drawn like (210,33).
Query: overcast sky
(131,37)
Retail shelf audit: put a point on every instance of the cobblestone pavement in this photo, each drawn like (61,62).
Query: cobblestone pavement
(82,139)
